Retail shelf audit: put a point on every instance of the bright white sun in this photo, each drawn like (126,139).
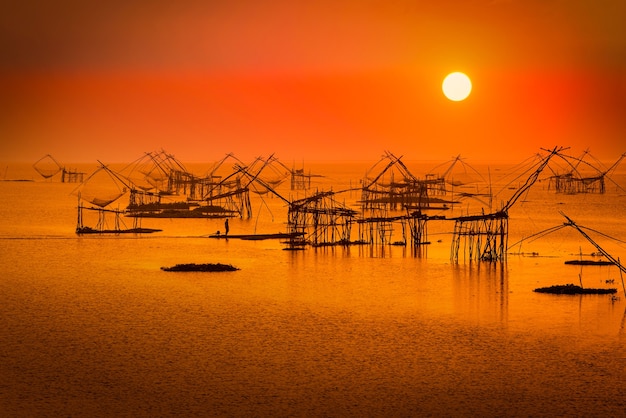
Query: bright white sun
(456,86)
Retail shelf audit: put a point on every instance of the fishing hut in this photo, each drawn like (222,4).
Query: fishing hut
(231,195)
(394,187)
(233,191)
(570,184)
(228,192)
(484,237)
(392,230)
(321,220)
(380,229)
(162,187)
(575,180)
(101,189)
(436,183)
(109,221)
(160,172)
(246,179)
(71,176)
(186,184)
(300,180)
(200,187)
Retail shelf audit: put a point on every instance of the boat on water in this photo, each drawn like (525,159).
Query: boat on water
(258,237)
(89,230)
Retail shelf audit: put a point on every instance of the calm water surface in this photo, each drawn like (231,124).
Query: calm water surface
(92,327)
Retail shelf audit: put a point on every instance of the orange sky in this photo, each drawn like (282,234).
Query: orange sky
(326,80)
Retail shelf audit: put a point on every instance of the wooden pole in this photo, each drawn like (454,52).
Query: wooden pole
(622,276)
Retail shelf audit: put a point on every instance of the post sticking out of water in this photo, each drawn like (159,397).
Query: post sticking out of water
(621,275)
(580,275)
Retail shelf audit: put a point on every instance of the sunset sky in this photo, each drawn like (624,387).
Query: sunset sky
(318,80)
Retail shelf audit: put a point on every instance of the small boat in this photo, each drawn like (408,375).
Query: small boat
(572,289)
(88,230)
(258,237)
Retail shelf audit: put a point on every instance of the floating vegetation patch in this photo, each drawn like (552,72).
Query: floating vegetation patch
(589,262)
(572,289)
(210,267)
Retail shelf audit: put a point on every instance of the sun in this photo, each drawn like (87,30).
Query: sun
(456,86)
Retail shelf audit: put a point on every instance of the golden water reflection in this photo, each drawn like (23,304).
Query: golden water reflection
(481,291)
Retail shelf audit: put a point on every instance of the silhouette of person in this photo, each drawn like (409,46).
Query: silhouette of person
(226,227)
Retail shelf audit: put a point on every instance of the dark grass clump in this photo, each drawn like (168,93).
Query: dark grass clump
(210,267)
(572,289)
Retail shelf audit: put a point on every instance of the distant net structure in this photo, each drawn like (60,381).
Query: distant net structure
(440,183)
(578,175)
(299,178)
(390,211)
(47,166)
(392,205)
(156,171)
(162,187)
(389,185)
(102,187)
(96,195)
